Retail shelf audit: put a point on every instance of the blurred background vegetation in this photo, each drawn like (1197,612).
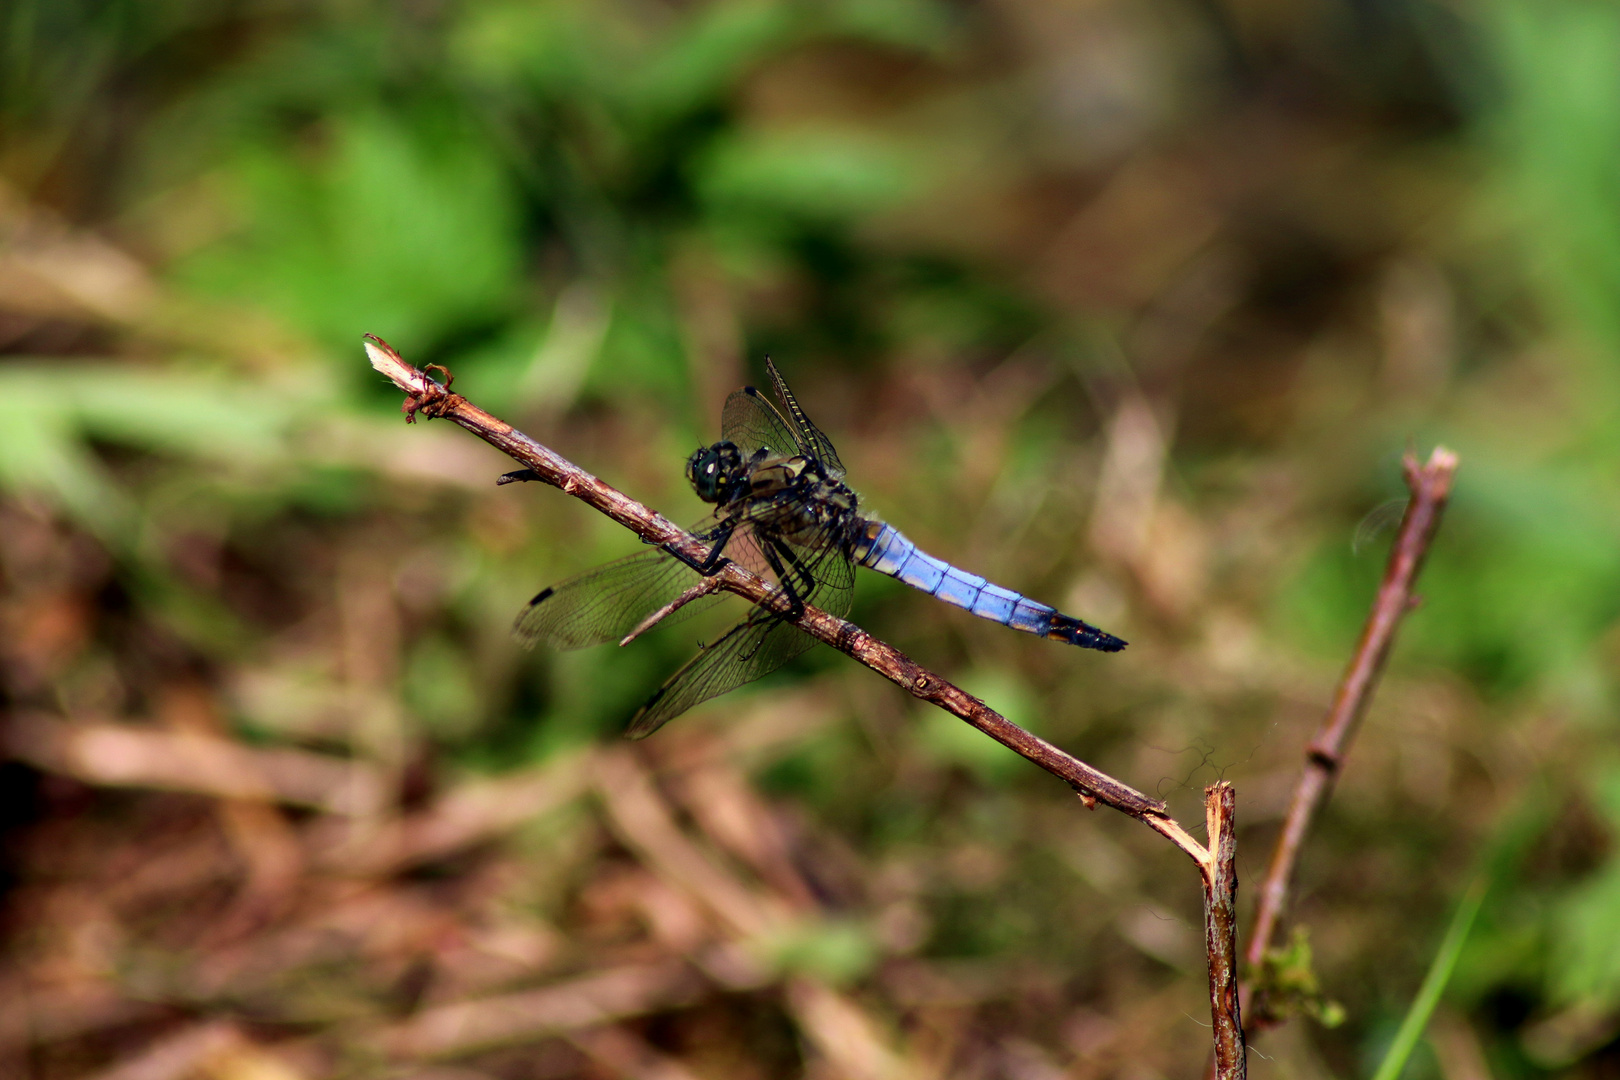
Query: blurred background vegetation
(1130,304)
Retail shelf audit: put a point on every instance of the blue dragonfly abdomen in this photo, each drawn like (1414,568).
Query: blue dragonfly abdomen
(886,549)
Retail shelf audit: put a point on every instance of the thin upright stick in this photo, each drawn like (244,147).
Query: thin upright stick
(1430,486)
(1219,873)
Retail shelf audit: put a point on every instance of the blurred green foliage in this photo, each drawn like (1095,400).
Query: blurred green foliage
(951,226)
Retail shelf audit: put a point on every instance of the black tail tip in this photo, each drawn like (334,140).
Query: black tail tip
(1084,635)
(1106,642)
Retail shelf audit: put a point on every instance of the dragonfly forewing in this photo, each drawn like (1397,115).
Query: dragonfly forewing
(753,423)
(607,603)
(813,442)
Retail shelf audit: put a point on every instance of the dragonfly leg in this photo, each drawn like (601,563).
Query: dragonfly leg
(777,554)
(713,563)
(807,580)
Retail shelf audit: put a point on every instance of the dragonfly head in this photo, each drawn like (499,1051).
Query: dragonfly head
(713,471)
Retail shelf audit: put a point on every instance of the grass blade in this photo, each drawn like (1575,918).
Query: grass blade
(1434,983)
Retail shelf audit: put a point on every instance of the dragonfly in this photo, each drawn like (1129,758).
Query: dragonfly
(782,509)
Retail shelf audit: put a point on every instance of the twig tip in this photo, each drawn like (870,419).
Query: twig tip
(388,362)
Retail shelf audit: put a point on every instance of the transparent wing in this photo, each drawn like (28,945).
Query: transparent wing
(750,650)
(1385,515)
(824,564)
(811,439)
(605,604)
(752,422)
(760,643)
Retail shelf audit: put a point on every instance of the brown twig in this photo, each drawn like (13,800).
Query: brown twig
(428,398)
(701,589)
(1430,485)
